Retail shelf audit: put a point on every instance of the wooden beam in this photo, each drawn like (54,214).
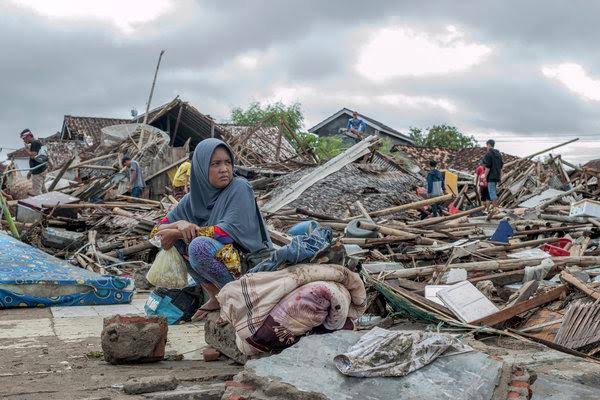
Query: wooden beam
(571,280)
(519,308)
(165,169)
(60,174)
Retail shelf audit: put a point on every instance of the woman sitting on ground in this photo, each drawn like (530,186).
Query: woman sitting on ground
(216,224)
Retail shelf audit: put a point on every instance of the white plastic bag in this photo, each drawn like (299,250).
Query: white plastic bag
(168,270)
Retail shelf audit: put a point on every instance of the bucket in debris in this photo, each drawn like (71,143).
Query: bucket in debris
(557,249)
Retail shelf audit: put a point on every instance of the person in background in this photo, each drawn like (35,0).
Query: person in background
(435,187)
(481,185)
(38,163)
(136,179)
(181,180)
(356,125)
(493,164)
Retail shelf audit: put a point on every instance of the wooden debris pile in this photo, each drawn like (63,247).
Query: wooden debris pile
(528,269)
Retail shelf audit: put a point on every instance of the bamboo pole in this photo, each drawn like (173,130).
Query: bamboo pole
(529,157)
(141,140)
(385,230)
(492,265)
(528,243)
(560,196)
(410,206)
(9,220)
(439,220)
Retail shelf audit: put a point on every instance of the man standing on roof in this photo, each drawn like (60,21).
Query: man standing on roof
(38,162)
(493,164)
(181,180)
(356,125)
(136,179)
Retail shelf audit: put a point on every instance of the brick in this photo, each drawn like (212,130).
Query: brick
(514,395)
(522,391)
(522,384)
(519,372)
(210,354)
(134,339)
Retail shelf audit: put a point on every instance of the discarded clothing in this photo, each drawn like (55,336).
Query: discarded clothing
(31,278)
(395,353)
(538,272)
(302,249)
(248,302)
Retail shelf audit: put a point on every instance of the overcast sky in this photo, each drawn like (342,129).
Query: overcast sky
(526,73)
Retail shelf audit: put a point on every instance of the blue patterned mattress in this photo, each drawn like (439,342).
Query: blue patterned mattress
(31,278)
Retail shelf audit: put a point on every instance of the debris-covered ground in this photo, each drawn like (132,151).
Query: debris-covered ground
(518,283)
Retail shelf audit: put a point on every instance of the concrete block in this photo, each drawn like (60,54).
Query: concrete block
(149,384)
(134,339)
(222,338)
(60,238)
(308,369)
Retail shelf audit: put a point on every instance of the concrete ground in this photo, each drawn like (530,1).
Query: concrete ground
(55,353)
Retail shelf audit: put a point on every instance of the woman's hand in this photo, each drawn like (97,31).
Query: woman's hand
(187,230)
(168,237)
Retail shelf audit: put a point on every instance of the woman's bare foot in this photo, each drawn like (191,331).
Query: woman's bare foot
(210,306)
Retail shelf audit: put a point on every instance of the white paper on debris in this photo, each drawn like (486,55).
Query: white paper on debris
(466,302)
(381,352)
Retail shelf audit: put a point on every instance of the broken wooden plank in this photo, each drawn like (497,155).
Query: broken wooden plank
(571,280)
(60,174)
(510,312)
(525,292)
(294,191)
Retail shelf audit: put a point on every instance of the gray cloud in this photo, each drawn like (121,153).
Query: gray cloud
(55,67)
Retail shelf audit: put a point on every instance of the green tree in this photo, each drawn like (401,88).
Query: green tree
(269,114)
(272,115)
(444,136)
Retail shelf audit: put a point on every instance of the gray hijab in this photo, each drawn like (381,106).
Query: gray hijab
(232,208)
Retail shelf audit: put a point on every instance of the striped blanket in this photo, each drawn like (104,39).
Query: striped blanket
(272,310)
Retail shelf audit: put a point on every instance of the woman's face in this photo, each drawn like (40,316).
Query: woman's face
(220,172)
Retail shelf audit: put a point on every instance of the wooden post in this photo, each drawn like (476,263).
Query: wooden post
(141,141)
(177,124)
(60,174)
